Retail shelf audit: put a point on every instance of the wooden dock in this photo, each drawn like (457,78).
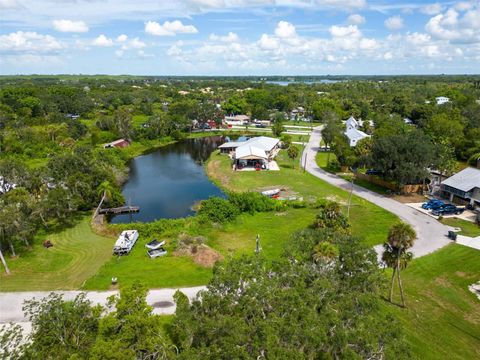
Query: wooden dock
(120,210)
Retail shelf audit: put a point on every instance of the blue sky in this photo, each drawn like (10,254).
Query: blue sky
(239,37)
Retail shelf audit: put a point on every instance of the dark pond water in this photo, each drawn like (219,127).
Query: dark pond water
(169,181)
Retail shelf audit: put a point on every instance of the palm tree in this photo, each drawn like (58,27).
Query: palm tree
(292,154)
(396,255)
(106,190)
(326,251)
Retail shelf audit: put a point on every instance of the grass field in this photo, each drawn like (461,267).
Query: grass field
(307,186)
(468,228)
(77,254)
(232,239)
(442,319)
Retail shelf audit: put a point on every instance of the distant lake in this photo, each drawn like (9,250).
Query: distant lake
(285,83)
(169,181)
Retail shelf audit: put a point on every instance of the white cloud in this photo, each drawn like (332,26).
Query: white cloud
(456,26)
(230,37)
(102,41)
(122,38)
(342,4)
(9,4)
(344,31)
(136,43)
(169,28)
(356,19)
(70,26)
(394,23)
(285,30)
(176,49)
(29,42)
(267,42)
(432,9)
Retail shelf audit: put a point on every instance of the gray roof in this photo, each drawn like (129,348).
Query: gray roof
(262,142)
(249,152)
(354,134)
(465,180)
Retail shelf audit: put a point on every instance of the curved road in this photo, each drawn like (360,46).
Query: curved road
(431,233)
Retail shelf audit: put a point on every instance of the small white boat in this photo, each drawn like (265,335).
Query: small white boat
(271,193)
(155,244)
(125,242)
(156,253)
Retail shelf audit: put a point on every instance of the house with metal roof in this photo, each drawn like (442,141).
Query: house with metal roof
(354,136)
(257,152)
(464,186)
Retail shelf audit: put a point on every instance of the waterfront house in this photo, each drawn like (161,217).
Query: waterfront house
(255,152)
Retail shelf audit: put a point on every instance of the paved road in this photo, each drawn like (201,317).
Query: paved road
(11,302)
(431,233)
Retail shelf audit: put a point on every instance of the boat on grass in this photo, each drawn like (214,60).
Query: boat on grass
(125,242)
(271,193)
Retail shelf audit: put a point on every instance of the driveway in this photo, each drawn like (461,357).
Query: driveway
(160,299)
(431,233)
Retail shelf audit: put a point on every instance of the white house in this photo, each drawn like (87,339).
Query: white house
(464,186)
(352,123)
(354,136)
(237,120)
(442,100)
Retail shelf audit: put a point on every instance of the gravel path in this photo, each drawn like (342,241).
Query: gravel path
(431,233)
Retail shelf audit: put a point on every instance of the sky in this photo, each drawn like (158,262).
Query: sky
(239,37)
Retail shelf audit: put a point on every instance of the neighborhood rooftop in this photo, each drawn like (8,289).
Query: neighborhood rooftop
(465,180)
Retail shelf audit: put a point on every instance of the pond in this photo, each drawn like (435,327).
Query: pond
(166,183)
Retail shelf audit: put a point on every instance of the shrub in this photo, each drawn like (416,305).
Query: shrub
(334,164)
(217,210)
(331,217)
(252,202)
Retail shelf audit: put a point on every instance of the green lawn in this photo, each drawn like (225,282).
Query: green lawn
(468,228)
(323,157)
(233,239)
(77,254)
(309,187)
(442,319)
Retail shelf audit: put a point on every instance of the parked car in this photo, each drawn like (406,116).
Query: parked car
(262,126)
(373,172)
(432,204)
(448,209)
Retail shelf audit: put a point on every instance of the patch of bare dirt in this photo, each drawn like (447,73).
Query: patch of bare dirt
(202,255)
(409,198)
(194,247)
(460,274)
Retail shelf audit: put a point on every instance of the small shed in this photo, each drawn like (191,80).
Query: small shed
(120,143)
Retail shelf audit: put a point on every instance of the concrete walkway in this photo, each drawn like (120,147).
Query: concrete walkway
(432,235)
(160,299)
